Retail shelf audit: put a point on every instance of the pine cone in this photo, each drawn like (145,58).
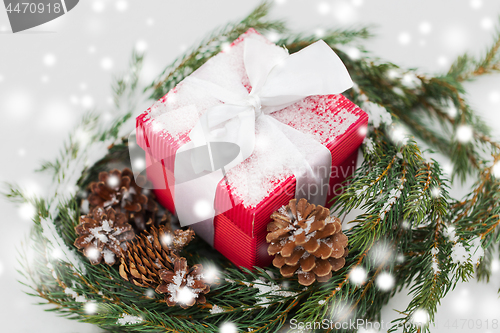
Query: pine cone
(118,189)
(103,234)
(306,241)
(152,252)
(183,285)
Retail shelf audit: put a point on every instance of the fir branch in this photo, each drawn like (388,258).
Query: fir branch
(467,68)
(296,42)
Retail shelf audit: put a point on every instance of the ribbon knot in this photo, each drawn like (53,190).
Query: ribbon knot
(254,101)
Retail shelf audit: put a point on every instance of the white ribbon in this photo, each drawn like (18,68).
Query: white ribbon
(277,80)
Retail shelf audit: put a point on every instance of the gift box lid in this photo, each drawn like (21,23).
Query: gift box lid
(332,120)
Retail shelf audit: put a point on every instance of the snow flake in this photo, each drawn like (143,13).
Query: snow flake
(476,251)
(420,317)
(459,254)
(210,274)
(129,320)
(411,81)
(377,114)
(435,267)
(435,262)
(404,38)
(228,327)
(358,275)
(360,191)
(216,309)
(464,133)
(106,63)
(90,308)
(74,294)
(385,281)
(496,170)
(425,27)
(269,289)
(369,145)
(449,232)
(49,60)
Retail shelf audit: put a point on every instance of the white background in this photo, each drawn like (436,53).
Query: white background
(51,74)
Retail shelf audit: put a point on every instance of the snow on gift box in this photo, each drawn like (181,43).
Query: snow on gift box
(249,130)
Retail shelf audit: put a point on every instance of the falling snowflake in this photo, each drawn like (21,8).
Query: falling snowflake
(141,46)
(442,61)
(87,101)
(404,38)
(90,308)
(496,170)
(27,211)
(323,8)
(228,327)
(487,23)
(203,209)
(464,133)
(358,275)
(411,81)
(425,27)
(420,317)
(106,63)
(451,110)
(98,6)
(476,4)
(49,60)
(399,135)
(121,5)
(385,281)
(210,274)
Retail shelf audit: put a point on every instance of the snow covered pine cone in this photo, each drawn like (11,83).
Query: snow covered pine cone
(152,261)
(118,189)
(306,241)
(183,285)
(103,234)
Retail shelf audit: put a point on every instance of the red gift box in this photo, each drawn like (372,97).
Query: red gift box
(240,232)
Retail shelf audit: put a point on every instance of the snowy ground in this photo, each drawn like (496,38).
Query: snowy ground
(51,74)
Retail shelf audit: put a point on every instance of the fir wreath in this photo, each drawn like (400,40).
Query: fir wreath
(404,197)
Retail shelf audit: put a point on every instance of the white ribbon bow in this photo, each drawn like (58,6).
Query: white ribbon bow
(278,80)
